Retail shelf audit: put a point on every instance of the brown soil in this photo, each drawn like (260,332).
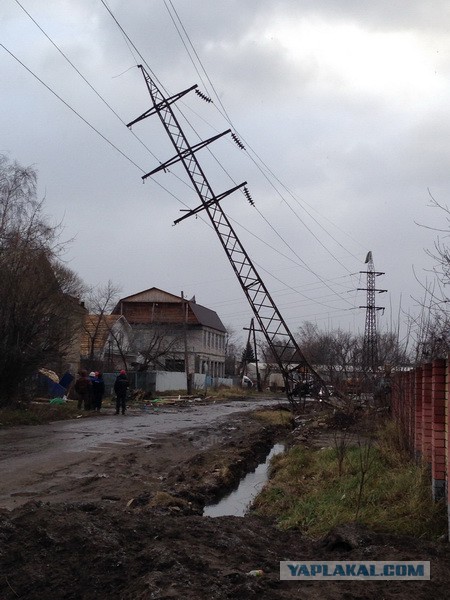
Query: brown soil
(138,532)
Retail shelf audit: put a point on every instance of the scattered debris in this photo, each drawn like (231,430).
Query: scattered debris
(256,573)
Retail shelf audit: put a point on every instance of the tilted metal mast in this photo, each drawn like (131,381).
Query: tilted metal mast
(283,346)
(370,347)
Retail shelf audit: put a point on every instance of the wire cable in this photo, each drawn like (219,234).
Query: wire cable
(228,119)
(72,109)
(218,162)
(90,124)
(83,77)
(101,97)
(124,33)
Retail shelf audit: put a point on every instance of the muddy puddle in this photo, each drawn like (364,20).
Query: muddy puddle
(238,501)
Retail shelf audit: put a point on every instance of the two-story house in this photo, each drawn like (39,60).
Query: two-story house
(172,333)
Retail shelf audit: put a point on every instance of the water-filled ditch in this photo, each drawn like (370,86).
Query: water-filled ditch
(237,502)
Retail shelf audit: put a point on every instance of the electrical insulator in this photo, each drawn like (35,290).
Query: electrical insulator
(237,141)
(203,96)
(248,196)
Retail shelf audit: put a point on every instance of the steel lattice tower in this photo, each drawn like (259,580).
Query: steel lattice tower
(370,346)
(283,345)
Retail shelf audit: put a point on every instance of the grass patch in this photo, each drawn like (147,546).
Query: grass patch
(37,413)
(221,392)
(274,417)
(306,491)
(164,499)
(232,393)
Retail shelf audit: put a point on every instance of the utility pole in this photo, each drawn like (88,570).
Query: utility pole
(247,345)
(252,332)
(255,352)
(185,308)
(370,345)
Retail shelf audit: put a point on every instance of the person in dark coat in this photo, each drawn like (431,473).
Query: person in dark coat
(98,391)
(120,388)
(83,387)
(91,390)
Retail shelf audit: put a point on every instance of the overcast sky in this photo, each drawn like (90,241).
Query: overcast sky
(343,108)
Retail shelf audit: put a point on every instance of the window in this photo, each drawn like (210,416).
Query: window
(173,364)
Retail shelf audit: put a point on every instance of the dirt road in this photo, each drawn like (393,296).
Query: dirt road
(48,462)
(111,508)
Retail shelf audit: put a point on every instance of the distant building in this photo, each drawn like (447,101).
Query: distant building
(169,330)
(70,360)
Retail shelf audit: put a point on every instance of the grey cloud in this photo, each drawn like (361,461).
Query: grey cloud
(358,157)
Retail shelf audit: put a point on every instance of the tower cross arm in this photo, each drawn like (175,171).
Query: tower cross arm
(184,153)
(164,103)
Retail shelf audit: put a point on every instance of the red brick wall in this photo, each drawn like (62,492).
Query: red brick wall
(426,412)
(438,435)
(418,375)
(420,401)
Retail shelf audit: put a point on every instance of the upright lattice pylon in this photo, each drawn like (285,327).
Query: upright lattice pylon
(370,346)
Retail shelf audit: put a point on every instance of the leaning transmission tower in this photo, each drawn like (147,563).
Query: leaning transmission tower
(370,346)
(283,345)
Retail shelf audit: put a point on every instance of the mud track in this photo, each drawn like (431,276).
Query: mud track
(127,524)
(193,452)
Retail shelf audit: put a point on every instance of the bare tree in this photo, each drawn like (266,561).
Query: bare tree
(429,328)
(342,440)
(366,459)
(157,344)
(233,351)
(344,354)
(336,353)
(390,350)
(440,254)
(270,363)
(69,281)
(120,342)
(100,300)
(315,344)
(37,318)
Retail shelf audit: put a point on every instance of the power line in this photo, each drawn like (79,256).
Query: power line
(228,119)
(182,40)
(72,109)
(219,163)
(98,94)
(115,113)
(90,124)
(110,108)
(316,274)
(290,287)
(83,77)
(124,33)
(225,114)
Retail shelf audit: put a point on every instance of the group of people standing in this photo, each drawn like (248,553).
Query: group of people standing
(90,390)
